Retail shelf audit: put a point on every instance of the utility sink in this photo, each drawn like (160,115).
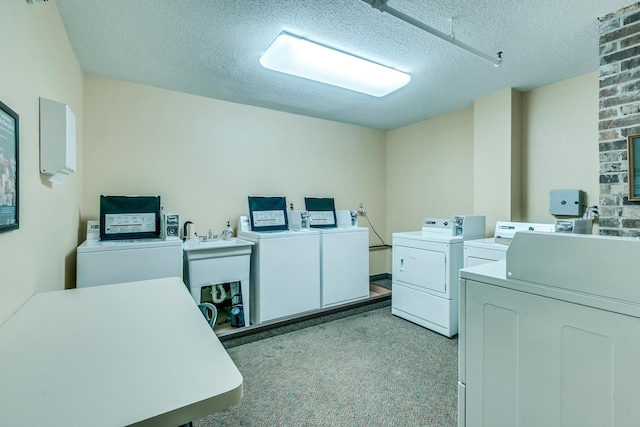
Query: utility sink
(213,262)
(220,245)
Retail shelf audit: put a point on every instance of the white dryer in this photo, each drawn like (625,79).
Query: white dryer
(492,249)
(482,251)
(425,271)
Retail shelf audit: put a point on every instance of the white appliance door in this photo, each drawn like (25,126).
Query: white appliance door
(289,270)
(422,268)
(345,267)
(476,255)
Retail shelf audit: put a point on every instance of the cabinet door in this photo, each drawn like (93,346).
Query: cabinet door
(533,361)
(423,268)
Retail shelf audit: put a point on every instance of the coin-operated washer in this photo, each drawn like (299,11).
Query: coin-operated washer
(344,252)
(425,271)
(127,244)
(285,264)
(549,327)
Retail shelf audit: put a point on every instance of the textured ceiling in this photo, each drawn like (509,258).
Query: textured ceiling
(212,48)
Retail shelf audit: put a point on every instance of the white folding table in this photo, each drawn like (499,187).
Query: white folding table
(137,353)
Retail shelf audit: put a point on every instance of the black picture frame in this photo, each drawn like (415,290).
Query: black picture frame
(9,169)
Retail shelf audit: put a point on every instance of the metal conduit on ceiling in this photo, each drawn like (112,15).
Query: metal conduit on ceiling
(382,6)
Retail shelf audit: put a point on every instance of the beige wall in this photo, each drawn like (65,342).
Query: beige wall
(37,61)
(497,166)
(429,171)
(560,143)
(205,156)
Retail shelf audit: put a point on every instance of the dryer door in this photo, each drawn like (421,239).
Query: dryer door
(424,269)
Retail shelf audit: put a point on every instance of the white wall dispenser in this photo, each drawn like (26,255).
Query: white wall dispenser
(57,140)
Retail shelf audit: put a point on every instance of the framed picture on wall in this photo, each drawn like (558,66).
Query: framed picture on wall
(633,155)
(9,125)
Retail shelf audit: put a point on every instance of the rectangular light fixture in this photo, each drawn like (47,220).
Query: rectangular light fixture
(294,55)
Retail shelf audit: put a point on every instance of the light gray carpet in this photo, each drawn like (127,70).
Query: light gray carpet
(370,369)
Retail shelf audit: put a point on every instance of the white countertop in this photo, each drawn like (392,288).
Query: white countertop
(132,353)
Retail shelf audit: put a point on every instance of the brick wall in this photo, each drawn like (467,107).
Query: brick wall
(619,117)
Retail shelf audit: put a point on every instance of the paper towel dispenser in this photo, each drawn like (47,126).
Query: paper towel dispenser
(57,140)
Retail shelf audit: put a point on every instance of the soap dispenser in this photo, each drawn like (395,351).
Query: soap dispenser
(227,234)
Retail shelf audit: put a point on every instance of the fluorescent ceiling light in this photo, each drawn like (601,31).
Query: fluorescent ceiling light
(294,55)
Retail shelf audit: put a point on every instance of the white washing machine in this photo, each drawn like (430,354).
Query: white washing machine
(551,328)
(425,271)
(492,249)
(285,273)
(344,265)
(100,262)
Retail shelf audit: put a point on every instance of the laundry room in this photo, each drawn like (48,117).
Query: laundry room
(497,151)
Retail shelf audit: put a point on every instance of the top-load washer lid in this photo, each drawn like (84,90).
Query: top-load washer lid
(118,245)
(282,234)
(575,262)
(322,211)
(126,217)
